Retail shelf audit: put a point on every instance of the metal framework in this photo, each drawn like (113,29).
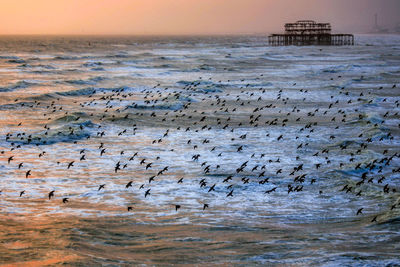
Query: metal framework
(308,32)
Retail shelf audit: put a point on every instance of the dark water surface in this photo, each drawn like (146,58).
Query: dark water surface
(296,141)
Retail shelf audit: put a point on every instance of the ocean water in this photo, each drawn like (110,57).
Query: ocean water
(287,154)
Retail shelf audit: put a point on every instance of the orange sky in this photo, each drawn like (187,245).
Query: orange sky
(185,16)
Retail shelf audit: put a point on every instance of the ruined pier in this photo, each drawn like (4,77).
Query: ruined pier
(308,32)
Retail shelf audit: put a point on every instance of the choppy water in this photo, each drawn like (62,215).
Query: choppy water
(267,116)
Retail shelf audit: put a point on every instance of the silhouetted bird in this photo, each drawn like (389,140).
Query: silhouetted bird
(211,188)
(147,193)
(359,211)
(129,184)
(70,164)
(271,190)
(230,194)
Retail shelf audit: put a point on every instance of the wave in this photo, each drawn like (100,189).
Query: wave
(41,69)
(121,55)
(195,82)
(145,54)
(93,90)
(92,64)
(79,92)
(18,61)
(98,69)
(73,117)
(48,67)
(24,65)
(17,85)
(90,81)
(206,67)
(42,97)
(163,66)
(258,85)
(353,172)
(345,143)
(9,57)
(373,119)
(66,133)
(16,105)
(201,86)
(172,106)
(208,90)
(64,57)
(387,220)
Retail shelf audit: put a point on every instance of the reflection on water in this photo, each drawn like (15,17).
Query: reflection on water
(118,240)
(286,153)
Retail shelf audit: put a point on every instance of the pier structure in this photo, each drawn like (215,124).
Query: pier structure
(308,32)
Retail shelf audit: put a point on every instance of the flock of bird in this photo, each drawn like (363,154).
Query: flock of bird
(223,113)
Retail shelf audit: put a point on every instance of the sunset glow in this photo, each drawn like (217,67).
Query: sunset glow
(183,16)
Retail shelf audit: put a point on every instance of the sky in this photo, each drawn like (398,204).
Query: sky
(175,17)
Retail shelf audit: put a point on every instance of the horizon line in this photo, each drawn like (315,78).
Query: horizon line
(158,34)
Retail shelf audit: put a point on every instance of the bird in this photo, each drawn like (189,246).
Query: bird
(227,179)
(147,193)
(230,194)
(177,207)
(117,167)
(65,200)
(129,184)
(359,211)
(271,190)
(212,188)
(51,194)
(259,114)
(21,193)
(101,187)
(70,164)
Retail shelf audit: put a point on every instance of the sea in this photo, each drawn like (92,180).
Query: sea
(199,151)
